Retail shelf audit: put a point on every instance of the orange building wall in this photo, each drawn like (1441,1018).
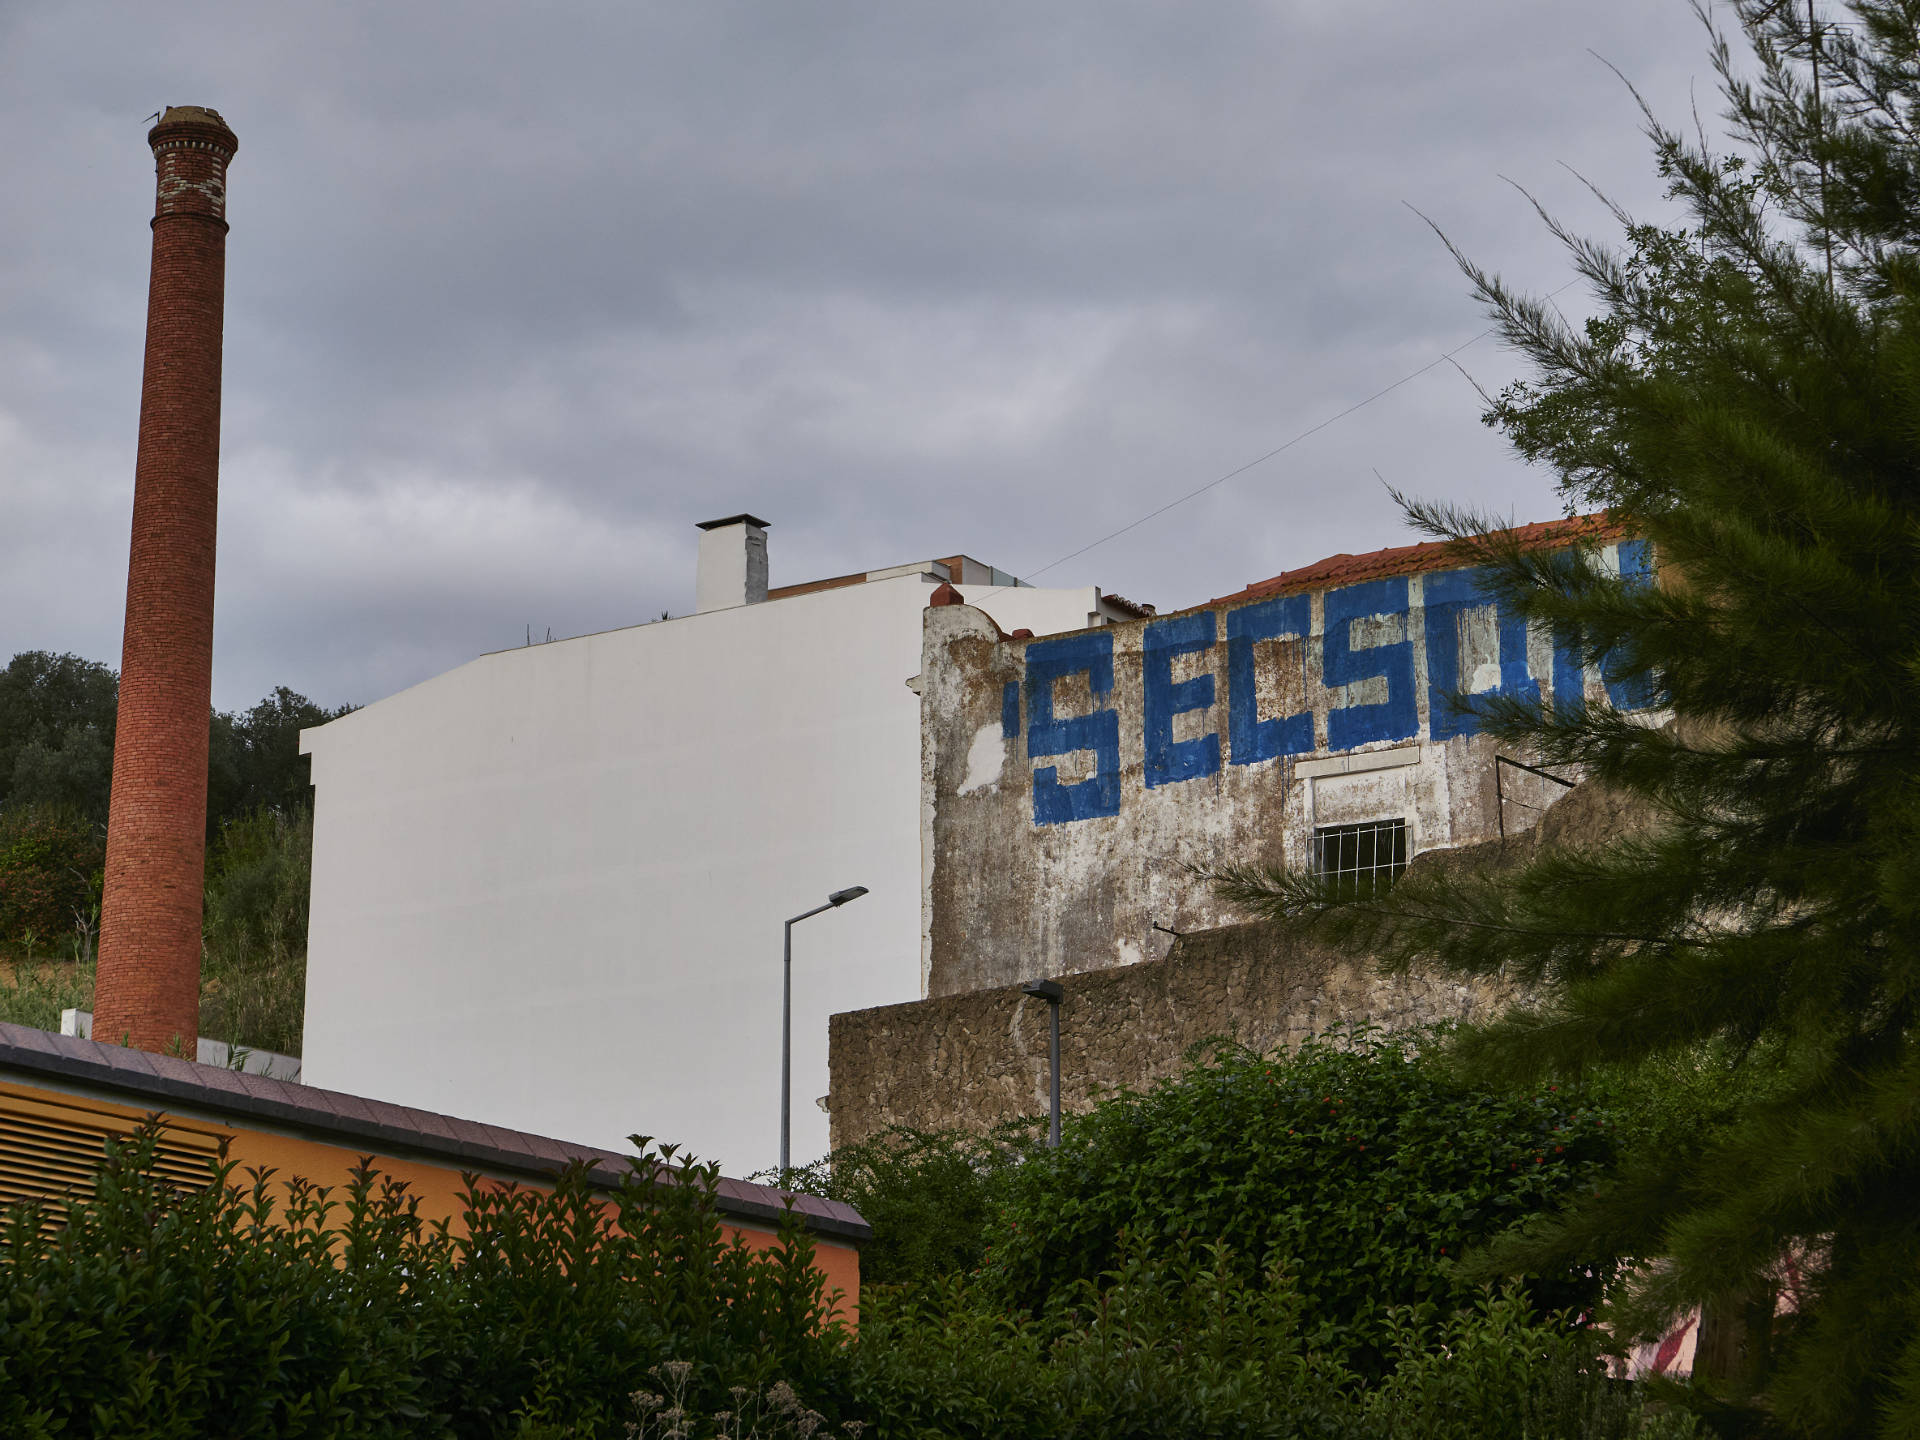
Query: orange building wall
(437,1184)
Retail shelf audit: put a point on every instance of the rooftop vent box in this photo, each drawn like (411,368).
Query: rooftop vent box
(733,563)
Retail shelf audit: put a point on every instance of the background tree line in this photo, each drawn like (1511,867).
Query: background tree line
(57,715)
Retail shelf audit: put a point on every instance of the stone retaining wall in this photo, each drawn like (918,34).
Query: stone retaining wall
(973,1060)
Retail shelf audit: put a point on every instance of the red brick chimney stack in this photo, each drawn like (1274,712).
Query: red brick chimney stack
(148,987)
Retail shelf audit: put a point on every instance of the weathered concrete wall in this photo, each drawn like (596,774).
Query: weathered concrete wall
(1072,785)
(976,1059)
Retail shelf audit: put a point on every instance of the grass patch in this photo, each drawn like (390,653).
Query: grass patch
(34,992)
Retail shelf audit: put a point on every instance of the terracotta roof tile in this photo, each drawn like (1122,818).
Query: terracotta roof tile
(1344,569)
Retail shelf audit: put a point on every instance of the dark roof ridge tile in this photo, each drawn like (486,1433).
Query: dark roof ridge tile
(356,1121)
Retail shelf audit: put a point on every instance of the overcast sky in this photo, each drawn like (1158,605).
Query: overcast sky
(516,294)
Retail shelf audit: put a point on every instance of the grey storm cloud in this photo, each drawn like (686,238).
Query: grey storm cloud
(518,293)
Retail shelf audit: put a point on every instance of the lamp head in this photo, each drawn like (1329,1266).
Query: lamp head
(1047,990)
(841,897)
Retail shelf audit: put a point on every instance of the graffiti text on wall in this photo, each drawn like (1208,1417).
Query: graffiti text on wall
(1370,644)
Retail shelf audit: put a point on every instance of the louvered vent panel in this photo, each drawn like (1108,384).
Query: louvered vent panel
(52,1150)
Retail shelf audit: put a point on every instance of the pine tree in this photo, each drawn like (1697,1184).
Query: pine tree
(1748,398)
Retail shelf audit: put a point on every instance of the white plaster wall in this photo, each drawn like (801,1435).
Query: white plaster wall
(548,886)
(1045,612)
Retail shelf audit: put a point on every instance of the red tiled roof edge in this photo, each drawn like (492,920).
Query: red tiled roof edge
(1343,569)
(1132,607)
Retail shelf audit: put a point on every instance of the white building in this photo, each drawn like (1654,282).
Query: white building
(549,885)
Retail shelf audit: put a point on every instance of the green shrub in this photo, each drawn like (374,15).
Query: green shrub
(255,977)
(50,874)
(143,1312)
(1355,1162)
(1496,1370)
(290,1311)
(1183,1346)
(1172,1345)
(930,1197)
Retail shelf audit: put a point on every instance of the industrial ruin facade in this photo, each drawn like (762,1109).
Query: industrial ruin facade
(1076,788)
(1072,785)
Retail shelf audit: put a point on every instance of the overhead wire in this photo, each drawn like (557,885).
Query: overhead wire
(1311,431)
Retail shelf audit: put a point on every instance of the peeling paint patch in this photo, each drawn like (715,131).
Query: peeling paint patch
(985,759)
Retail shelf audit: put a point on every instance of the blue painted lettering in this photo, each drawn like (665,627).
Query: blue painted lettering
(1396,717)
(1047,661)
(1451,597)
(1569,676)
(1167,759)
(1251,739)
(1631,692)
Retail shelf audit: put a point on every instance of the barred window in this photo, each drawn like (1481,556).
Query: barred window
(1361,859)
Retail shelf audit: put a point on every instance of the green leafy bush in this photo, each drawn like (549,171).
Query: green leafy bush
(50,871)
(930,1196)
(1496,1370)
(255,977)
(145,1312)
(1183,1346)
(286,1310)
(1169,1345)
(1356,1162)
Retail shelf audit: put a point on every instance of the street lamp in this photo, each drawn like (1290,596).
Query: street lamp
(834,902)
(1050,991)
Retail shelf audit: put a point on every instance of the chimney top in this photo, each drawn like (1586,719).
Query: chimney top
(181,114)
(189,121)
(741,519)
(733,563)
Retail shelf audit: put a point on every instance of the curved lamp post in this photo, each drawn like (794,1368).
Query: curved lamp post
(834,902)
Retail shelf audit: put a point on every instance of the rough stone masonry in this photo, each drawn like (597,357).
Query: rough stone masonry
(148,986)
(971,1061)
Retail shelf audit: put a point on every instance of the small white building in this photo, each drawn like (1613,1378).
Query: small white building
(549,885)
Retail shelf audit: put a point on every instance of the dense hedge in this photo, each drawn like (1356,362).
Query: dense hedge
(931,1196)
(1180,1268)
(1180,1346)
(143,1312)
(1356,1163)
(50,865)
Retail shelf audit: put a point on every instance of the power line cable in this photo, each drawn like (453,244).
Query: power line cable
(1280,449)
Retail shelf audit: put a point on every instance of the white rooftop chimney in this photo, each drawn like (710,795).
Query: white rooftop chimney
(733,563)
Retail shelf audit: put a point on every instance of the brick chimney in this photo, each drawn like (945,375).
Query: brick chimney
(148,987)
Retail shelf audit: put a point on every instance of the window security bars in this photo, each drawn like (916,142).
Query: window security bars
(1361,859)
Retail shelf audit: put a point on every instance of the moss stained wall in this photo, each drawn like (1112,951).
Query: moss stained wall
(1072,784)
(974,1059)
